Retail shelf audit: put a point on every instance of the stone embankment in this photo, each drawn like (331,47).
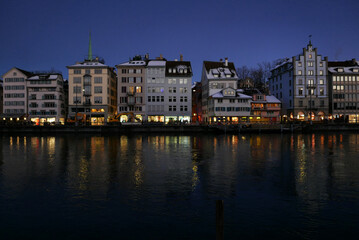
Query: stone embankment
(188,129)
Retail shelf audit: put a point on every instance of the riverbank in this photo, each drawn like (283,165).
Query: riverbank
(252,128)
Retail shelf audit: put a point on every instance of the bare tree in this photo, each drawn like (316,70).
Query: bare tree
(243,72)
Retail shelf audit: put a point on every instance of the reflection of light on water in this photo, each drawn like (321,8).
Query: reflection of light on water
(25,142)
(138,174)
(51,149)
(83,174)
(195,178)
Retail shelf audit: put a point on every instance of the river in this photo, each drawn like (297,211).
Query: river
(153,186)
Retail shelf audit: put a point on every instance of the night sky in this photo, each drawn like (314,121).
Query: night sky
(45,35)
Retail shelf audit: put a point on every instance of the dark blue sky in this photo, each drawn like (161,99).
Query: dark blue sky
(40,35)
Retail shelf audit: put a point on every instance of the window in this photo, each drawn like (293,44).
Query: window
(300,81)
(300,91)
(98,89)
(130,71)
(321,72)
(77,71)
(299,72)
(321,91)
(299,64)
(220,100)
(310,64)
(301,103)
(321,64)
(183,90)
(310,56)
(77,89)
(311,82)
(124,79)
(123,89)
(77,100)
(322,103)
(98,99)
(290,92)
(321,81)
(124,71)
(131,80)
(310,72)
(138,79)
(98,79)
(98,71)
(77,79)
(138,89)
(138,99)
(87,71)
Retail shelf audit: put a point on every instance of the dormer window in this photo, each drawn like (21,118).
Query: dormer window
(181,70)
(340,69)
(185,71)
(170,70)
(228,75)
(299,64)
(355,70)
(174,70)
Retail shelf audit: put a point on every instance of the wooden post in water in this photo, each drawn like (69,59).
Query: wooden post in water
(219,220)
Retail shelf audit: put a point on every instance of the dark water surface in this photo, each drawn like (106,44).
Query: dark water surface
(165,186)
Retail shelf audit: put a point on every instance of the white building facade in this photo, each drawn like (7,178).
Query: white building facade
(220,99)
(301,84)
(46,100)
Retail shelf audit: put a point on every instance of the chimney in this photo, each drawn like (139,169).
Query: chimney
(147,56)
(226,62)
(161,57)
(221,60)
(181,57)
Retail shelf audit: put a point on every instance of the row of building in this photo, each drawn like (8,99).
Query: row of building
(304,87)
(311,88)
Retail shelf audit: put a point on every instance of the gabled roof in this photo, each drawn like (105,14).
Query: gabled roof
(28,74)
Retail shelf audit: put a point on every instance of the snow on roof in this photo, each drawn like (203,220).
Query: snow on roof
(221,72)
(89,64)
(239,95)
(133,63)
(53,77)
(345,69)
(272,99)
(156,63)
(34,78)
(288,60)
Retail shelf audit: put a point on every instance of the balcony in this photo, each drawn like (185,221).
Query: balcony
(131,93)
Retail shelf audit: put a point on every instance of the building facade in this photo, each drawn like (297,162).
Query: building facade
(46,98)
(219,87)
(178,89)
(131,92)
(15,93)
(343,81)
(92,90)
(301,84)
(229,105)
(155,88)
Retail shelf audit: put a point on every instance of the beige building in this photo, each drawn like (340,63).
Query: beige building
(38,97)
(15,94)
(131,89)
(92,90)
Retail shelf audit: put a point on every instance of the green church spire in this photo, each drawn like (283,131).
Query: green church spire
(90,49)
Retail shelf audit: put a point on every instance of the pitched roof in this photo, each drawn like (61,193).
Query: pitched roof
(348,63)
(25,72)
(211,65)
(183,68)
